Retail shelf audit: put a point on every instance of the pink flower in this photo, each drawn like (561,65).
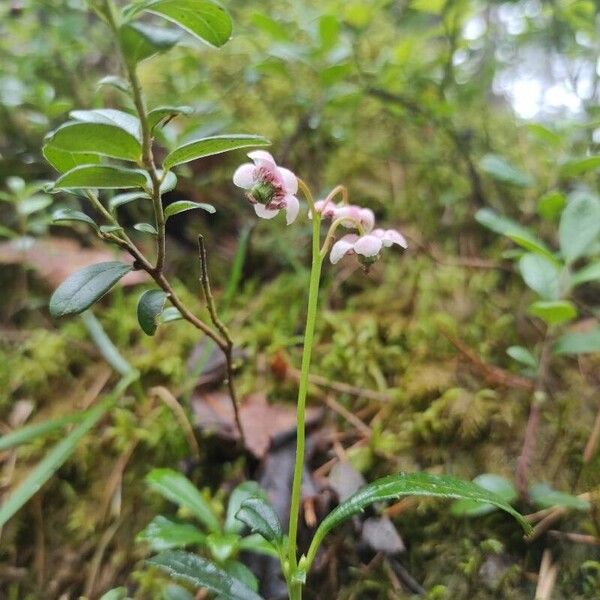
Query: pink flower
(349,212)
(367,246)
(269,188)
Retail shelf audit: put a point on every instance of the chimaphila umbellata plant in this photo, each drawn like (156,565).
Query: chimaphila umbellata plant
(103,150)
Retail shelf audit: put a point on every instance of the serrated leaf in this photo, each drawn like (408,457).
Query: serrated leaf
(493,483)
(163,534)
(589,273)
(501,170)
(222,546)
(84,287)
(183,205)
(544,496)
(580,342)
(179,489)
(210,146)
(125,198)
(578,166)
(68,214)
(247,489)
(145,228)
(109,116)
(579,227)
(141,41)
(202,574)
(522,355)
(242,573)
(101,177)
(541,275)
(149,308)
(260,517)
(205,19)
(409,484)
(162,113)
(96,138)
(553,312)
(63,160)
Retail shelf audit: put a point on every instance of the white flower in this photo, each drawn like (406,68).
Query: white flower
(269,188)
(367,246)
(351,214)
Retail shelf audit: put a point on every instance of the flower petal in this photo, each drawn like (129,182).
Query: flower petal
(290,181)
(261,157)
(367,218)
(342,247)
(264,213)
(292,208)
(245,176)
(368,245)
(391,236)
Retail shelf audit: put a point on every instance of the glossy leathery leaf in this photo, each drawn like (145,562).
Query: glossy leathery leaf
(101,177)
(260,517)
(149,308)
(63,215)
(184,205)
(64,160)
(163,534)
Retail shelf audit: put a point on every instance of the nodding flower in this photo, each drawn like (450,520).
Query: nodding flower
(269,188)
(349,213)
(366,247)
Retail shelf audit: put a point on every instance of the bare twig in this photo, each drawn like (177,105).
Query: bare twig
(227,347)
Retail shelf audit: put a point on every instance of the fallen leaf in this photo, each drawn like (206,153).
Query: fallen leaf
(54,259)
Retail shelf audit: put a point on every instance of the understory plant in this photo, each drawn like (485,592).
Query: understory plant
(107,158)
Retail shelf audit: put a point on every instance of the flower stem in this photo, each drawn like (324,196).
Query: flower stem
(313,294)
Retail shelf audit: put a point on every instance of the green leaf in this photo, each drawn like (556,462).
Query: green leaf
(169,182)
(257,543)
(182,205)
(86,286)
(493,483)
(589,273)
(501,170)
(170,314)
(579,227)
(545,497)
(517,233)
(541,275)
(166,113)
(259,515)
(68,214)
(33,204)
(109,116)
(102,177)
(175,592)
(142,41)
(408,484)
(30,432)
(202,574)
(247,489)
(119,593)
(145,228)
(551,204)
(96,138)
(222,546)
(63,160)
(51,462)
(113,81)
(522,355)
(578,166)
(125,198)
(242,573)
(553,312)
(580,342)
(212,145)
(164,534)
(149,308)
(110,228)
(179,489)
(205,19)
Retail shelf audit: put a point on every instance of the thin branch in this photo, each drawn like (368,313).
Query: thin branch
(227,347)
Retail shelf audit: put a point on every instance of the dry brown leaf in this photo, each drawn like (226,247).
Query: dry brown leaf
(54,259)
(261,421)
